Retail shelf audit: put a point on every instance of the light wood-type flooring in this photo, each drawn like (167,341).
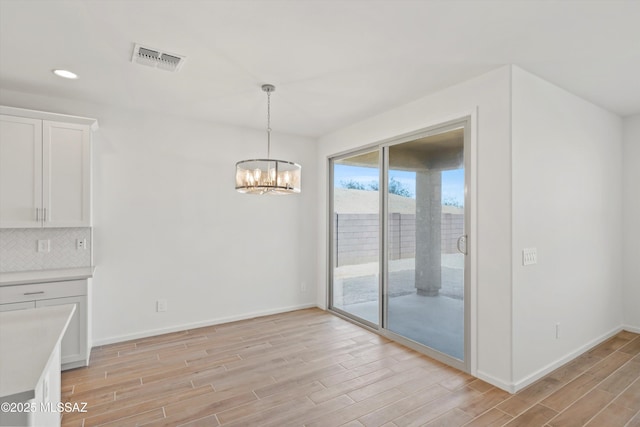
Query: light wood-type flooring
(311,368)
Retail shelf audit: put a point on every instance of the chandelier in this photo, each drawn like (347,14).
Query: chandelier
(268,176)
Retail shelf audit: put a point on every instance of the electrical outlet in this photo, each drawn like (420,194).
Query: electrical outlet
(81,244)
(44,245)
(161,305)
(557,330)
(529,256)
(303,287)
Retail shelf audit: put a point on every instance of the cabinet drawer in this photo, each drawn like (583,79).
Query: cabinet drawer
(18,306)
(39,291)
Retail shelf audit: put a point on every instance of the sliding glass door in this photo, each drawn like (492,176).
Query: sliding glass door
(425,233)
(355,231)
(399,240)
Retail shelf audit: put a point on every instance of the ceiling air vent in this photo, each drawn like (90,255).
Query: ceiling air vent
(157,58)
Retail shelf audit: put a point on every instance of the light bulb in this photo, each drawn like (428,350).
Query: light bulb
(272,174)
(65,74)
(287,177)
(257,173)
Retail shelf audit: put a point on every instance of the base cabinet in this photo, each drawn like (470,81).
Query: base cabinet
(74,343)
(44,407)
(30,380)
(48,394)
(17,306)
(75,348)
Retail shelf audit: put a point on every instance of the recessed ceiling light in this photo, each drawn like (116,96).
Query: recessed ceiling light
(65,73)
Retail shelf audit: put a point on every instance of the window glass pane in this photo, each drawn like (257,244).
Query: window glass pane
(355,240)
(425,289)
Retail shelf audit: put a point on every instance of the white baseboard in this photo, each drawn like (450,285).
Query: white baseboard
(519,385)
(186,326)
(504,385)
(634,329)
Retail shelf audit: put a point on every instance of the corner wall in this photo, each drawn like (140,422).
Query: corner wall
(487,96)
(169,224)
(567,199)
(631,222)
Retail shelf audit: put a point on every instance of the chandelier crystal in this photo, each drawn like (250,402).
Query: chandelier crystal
(268,176)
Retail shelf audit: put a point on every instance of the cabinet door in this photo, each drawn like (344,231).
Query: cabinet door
(48,392)
(17,306)
(20,172)
(67,175)
(74,342)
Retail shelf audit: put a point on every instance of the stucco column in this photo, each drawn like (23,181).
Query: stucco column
(428,232)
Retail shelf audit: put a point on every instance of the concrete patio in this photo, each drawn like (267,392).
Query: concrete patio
(435,321)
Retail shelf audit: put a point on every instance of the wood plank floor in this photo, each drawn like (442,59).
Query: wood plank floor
(310,368)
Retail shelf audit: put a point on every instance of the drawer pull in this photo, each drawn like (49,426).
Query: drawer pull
(34,293)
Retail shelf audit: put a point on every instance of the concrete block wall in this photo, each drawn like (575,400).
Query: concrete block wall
(356,236)
(452,229)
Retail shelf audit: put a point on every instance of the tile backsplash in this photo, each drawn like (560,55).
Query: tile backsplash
(19,249)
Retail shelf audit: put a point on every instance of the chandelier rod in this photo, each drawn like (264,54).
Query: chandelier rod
(268,89)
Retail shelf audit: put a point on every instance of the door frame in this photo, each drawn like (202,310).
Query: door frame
(464,364)
(330,248)
(468,122)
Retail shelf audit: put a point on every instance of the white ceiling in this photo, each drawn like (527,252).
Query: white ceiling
(333,62)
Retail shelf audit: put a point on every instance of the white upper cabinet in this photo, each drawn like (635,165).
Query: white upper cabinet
(66,166)
(20,171)
(45,169)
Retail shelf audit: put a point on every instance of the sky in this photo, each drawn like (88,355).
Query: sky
(452,180)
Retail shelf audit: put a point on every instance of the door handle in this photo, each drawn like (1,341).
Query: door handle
(462,239)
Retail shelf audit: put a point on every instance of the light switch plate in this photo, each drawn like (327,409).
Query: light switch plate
(44,245)
(529,256)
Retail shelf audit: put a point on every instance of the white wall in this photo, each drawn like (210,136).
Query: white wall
(631,222)
(567,177)
(169,224)
(489,95)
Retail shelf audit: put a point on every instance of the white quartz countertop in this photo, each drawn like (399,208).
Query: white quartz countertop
(40,276)
(27,339)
